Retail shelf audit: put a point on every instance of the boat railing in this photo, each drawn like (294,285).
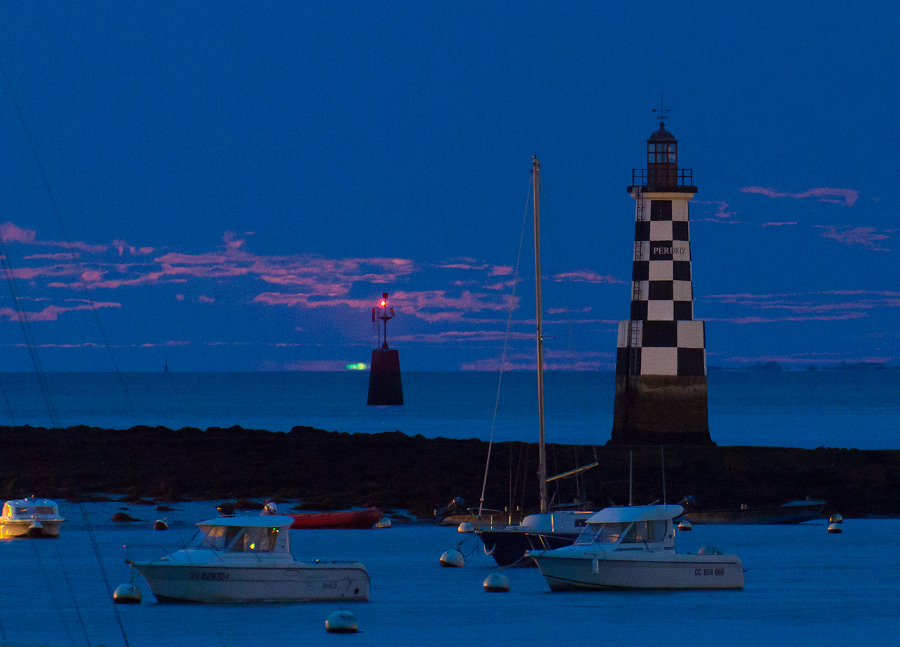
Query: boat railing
(149,552)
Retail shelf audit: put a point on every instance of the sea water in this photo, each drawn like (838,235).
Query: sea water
(803,586)
(853,408)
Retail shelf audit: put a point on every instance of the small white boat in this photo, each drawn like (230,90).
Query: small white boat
(633,547)
(248,559)
(30,517)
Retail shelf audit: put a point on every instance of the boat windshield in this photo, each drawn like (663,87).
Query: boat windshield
(27,511)
(638,532)
(603,533)
(217,537)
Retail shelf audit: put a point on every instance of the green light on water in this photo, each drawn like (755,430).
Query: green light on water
(357,367)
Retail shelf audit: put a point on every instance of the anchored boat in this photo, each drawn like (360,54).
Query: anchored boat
(633,547)
(30,517)
(248,559)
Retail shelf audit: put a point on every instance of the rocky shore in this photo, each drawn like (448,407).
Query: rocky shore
(333,470)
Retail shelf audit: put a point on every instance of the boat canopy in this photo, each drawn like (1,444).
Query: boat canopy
(266,534)
(625,514)
(262,521)
(30,508)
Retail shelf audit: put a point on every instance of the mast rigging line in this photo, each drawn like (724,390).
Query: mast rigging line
(54,204)
(509,315)
(32,348)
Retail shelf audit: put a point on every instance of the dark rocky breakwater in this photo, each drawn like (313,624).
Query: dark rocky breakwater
(333,470)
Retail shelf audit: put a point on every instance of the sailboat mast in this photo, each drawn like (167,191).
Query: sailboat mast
(542,453)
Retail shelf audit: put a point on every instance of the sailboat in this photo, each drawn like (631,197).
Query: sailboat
(546,529)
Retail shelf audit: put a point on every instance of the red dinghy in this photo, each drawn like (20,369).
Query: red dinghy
(362,519)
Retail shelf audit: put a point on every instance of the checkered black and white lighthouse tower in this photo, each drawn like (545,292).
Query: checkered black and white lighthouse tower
(661,349)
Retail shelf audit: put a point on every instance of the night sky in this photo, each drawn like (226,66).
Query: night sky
(232,185)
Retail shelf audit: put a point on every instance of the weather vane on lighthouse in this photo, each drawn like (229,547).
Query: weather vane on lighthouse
(663,112)
(385,384)
(387,313)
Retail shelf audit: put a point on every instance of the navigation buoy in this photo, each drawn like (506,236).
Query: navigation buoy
(684,524)
(453,558)
(159,524)
(496,583)
(836,518)
(341,622)
(835,527)
(384,522)
(127,593)
(466,526)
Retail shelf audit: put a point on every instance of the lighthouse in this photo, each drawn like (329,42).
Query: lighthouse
(661,349)
(385,383)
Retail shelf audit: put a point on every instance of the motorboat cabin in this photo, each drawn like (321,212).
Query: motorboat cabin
(30,517)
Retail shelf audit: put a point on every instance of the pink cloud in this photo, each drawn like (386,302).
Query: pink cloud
(499,286)
(61,256)
(812,306)
(585,276)
(304,299)
(865,236)
(777,224)
(51,313)
(753,320)
(232,242)
(847,197)
(121,246)
(10,233)
(810,358)
(81,246)
(300,281)
(722,212)
(559,361)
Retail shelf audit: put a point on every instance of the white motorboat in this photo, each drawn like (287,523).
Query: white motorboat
(30,517)
(633,547)
(248,559)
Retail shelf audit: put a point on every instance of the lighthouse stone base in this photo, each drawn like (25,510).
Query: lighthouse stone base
(660,410)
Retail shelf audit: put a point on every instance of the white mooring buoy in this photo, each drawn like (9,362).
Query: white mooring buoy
(496,582)
(834,527)
(127,593)
(453,558)
(684,524)
(341,622)
(466,526)
(836,518)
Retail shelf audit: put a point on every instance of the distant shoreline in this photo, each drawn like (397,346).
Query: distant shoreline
(391,470)
(761,366)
